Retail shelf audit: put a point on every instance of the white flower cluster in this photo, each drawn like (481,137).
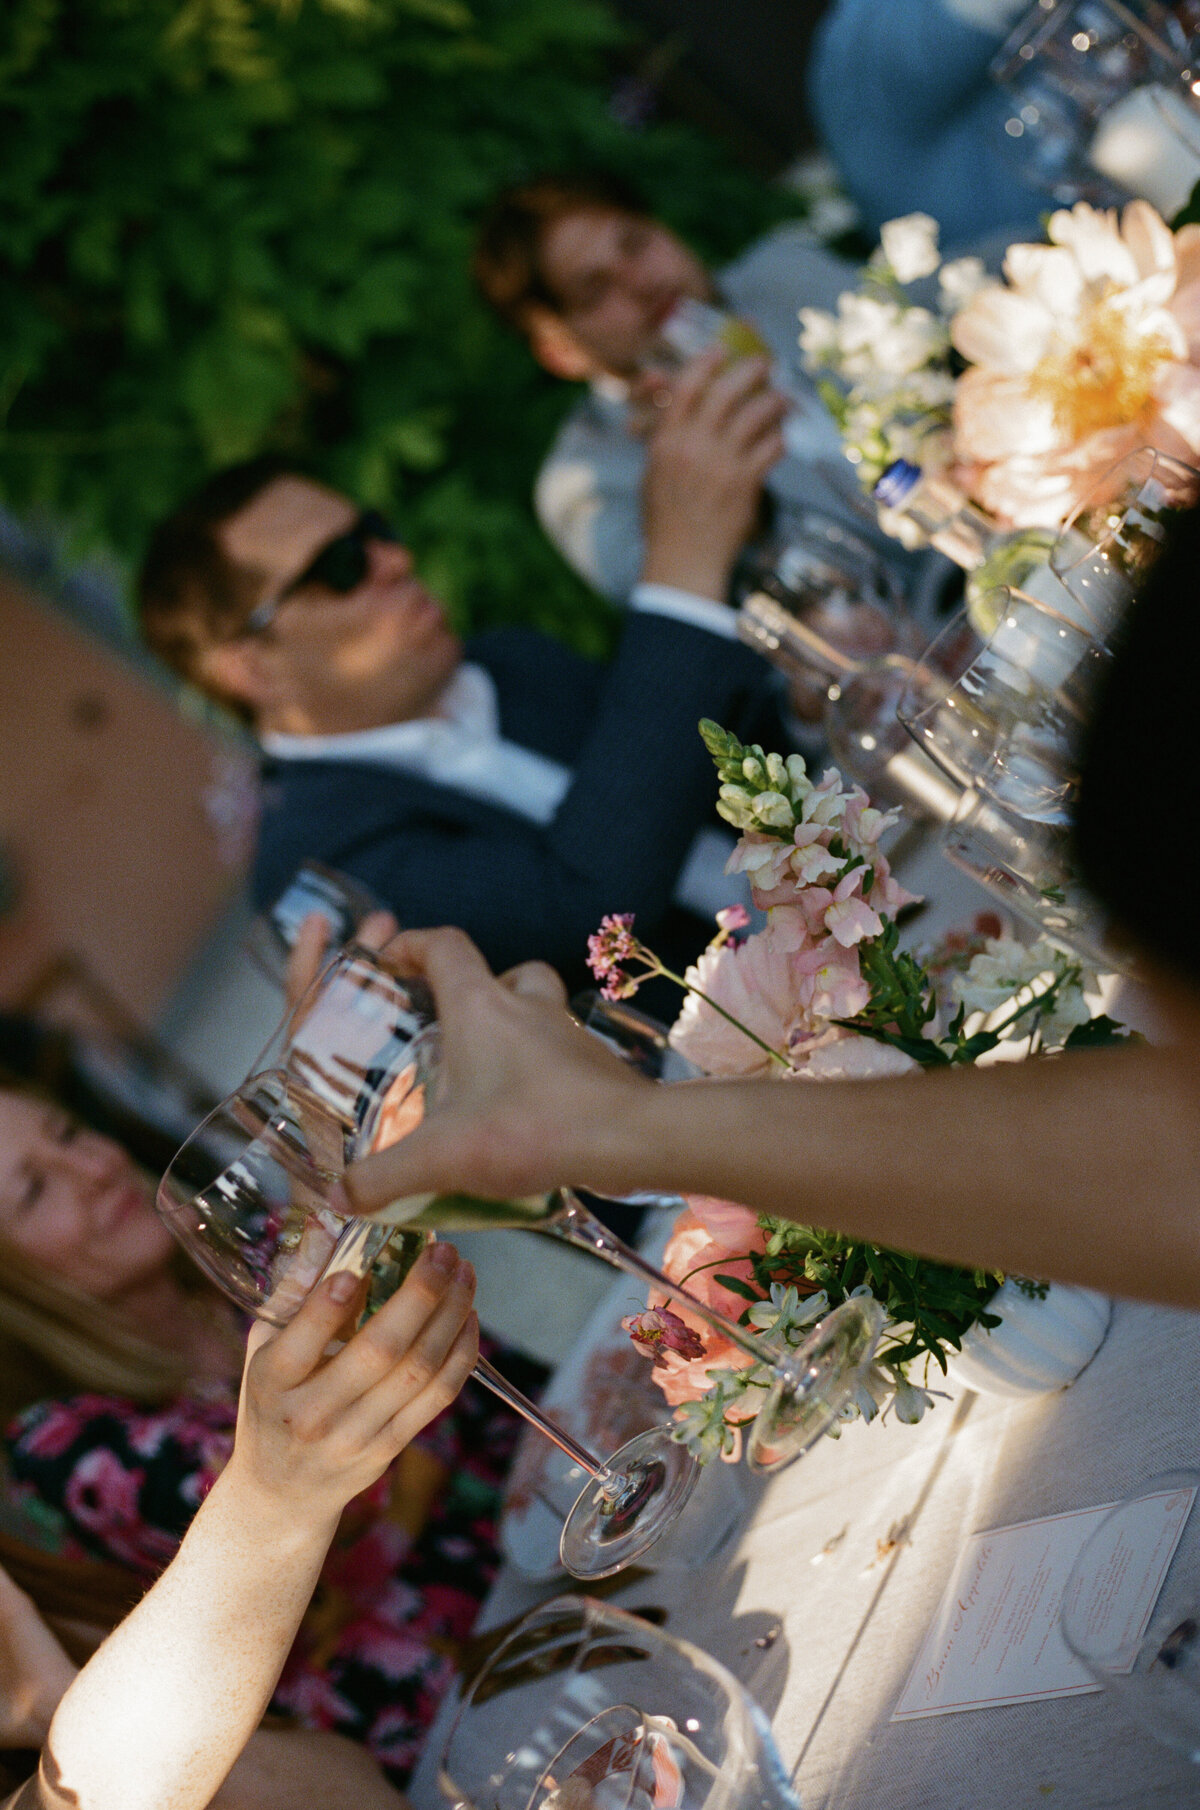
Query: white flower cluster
(891,357)
(1007,974)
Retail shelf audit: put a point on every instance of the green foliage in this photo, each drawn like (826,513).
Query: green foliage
(231,225)
(939,1303)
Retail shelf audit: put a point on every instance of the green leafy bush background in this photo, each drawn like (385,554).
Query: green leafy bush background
(227,225)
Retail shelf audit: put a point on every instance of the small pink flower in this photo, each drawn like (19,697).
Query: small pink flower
(658,1331)
(611,945)
(734,917)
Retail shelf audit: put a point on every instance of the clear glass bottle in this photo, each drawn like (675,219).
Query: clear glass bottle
(927,509)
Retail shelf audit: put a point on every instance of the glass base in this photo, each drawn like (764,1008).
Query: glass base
(617,1518)
(815,1383)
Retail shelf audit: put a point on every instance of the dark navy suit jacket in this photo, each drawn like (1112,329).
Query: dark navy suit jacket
(643,784)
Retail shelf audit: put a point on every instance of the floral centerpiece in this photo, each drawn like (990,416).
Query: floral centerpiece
(1024,391)
(824,991)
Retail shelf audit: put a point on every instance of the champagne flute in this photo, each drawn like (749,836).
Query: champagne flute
(248,1198)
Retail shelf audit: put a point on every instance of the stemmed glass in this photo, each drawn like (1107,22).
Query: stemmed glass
(587,1705)
(1148,1662)
(1003,716)
(1108,546)
(805,1388)
(1026,866)
(248,1198)
(358,1054)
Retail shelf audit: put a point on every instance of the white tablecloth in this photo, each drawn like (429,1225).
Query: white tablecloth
(841,1635)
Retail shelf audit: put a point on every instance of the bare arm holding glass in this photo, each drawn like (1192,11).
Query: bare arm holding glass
(1042,1168)
(162,1711)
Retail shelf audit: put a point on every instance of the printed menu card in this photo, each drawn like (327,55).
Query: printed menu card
(995,1638)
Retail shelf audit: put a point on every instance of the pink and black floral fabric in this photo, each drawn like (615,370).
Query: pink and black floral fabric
(375,1653)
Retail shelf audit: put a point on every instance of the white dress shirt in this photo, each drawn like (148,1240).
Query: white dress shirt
(461,747)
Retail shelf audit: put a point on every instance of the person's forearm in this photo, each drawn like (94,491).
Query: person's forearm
(162,1710)
(1083,1168)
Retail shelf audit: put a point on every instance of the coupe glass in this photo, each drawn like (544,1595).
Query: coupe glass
(1111,542)
(341,901)
(586,1705)
(1026,867)
(1148,1665)
(1081,78)
(248,1198)
(1003,716)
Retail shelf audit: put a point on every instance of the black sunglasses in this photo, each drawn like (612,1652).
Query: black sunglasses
(340,566)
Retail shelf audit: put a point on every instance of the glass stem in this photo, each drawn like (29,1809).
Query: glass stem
(577,1225)
(491,1379)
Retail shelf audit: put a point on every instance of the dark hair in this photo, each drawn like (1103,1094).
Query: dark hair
(1140,795)
(189,595)
(507,262)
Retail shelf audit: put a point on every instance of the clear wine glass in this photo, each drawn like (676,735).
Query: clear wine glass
(1004,716)
(248,1198)
(1026,866)
(587,1705)
(348,1046)
(341,901)
(1146,1660)
(1108,547)
(818,601)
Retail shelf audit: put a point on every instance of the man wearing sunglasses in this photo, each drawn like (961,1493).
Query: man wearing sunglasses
(508,786)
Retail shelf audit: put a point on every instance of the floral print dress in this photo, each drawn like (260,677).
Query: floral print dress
(401,1586)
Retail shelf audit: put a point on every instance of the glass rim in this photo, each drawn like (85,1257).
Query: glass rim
(1165,1482)
(911,716)
(579,1619)
(1156,459)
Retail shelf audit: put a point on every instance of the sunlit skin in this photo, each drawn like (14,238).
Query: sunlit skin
(76,1203)
(616,278)
(329,663)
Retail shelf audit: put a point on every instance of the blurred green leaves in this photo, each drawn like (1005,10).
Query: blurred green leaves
(228,225)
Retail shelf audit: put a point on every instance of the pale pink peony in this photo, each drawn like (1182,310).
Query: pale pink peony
(753,982)
(854,1058)
(1090,351)
(734,1226)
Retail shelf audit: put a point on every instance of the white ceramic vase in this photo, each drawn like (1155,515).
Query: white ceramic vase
(1039,1346)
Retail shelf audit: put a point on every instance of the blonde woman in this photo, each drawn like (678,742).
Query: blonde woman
(160,1714)
(118,1385)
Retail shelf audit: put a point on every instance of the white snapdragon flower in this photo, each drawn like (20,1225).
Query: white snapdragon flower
(910,246)
(788,1312)
(1005,969)
(819,338)
(959,281)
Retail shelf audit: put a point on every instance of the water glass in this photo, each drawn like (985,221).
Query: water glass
(586,1705)
(1004,716)
(1026,867)
(1081,78)
(1108,547)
